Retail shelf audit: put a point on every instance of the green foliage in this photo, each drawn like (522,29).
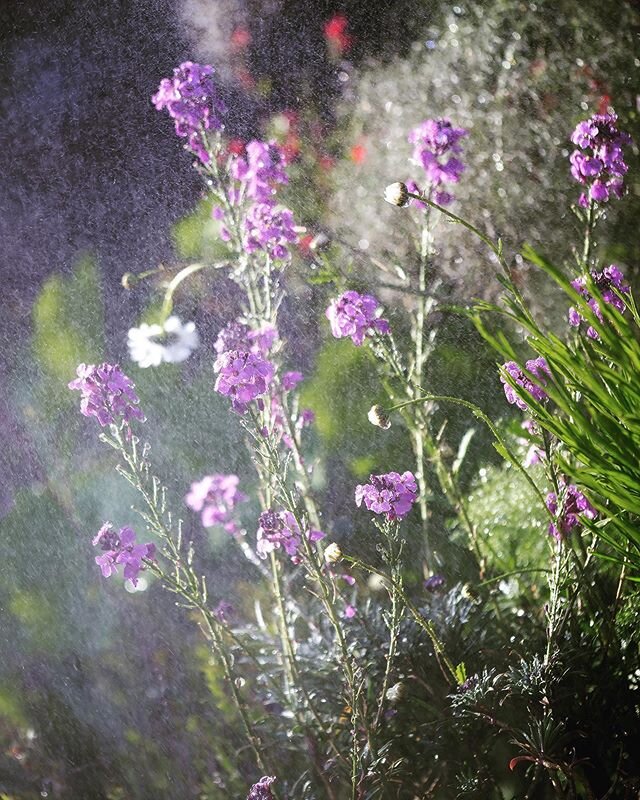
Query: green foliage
(68,321)
(594,396)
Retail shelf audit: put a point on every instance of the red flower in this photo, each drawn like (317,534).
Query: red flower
(335,31)
(358,153)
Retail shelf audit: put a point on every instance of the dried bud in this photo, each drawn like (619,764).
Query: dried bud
(378,416)
(397,194)
(332,553)
(128,279)
(396,692)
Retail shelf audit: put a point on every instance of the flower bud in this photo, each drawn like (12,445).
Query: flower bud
(397,194)
(396,692)
(332,553)
(128,280)
(378,416)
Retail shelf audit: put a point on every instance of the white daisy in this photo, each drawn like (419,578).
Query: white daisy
(172,342)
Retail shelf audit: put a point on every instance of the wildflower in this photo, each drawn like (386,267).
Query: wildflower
(599,162)
(291,379)
(391,494)
(378,416)
(397,194)
(434,140)
(242,376)
(216,497)
(171,342)
(606,282)
(121,548)
(278,529)
(355,315)
(262,789)
(269,228)
(434,583)
(349,611)
(192,100)
(107,394)
(538,368)
(568,509)
(237,336)
(259,171)
(335,31)
(332,553)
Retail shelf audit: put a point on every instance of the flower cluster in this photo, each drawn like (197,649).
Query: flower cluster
(599,162)
(122,548)
(236,336)
(107,394)
(258,173)
(216,497)
(607,281)
(270,228)
(279,529)
(568,509)
(242,376)
(171,342)
(391,494)
(538,368)
(266,225)
(262,789)
(355,315)
(192,100)
(433,141)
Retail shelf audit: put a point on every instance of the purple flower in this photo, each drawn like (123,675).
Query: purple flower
(434,141)
(242,376)
(538,368)
(391,494)
(216,496)
(434,583)
(107,394)
(237,336)
(262,789)
(607,281)
(355,315)
(349,611)
(602,167)
(260,171)
(568,509)
(122,548)
(192,100)
(269,228)
(279,529)
(290,380)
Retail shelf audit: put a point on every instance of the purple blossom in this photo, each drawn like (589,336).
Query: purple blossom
(607,281)
(599,162)
(279,529)
(568,509)
(434,141)
(122,548)
(291,379)
(216,497)
(237,336)
(538,368)
(262,789)
(107,394)
(349,611)
(391,494)
(434,583)
(192,100)
(355,315)
(262,168)
(269,228)
(242,376)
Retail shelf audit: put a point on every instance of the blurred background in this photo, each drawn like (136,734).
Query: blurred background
(96,682)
